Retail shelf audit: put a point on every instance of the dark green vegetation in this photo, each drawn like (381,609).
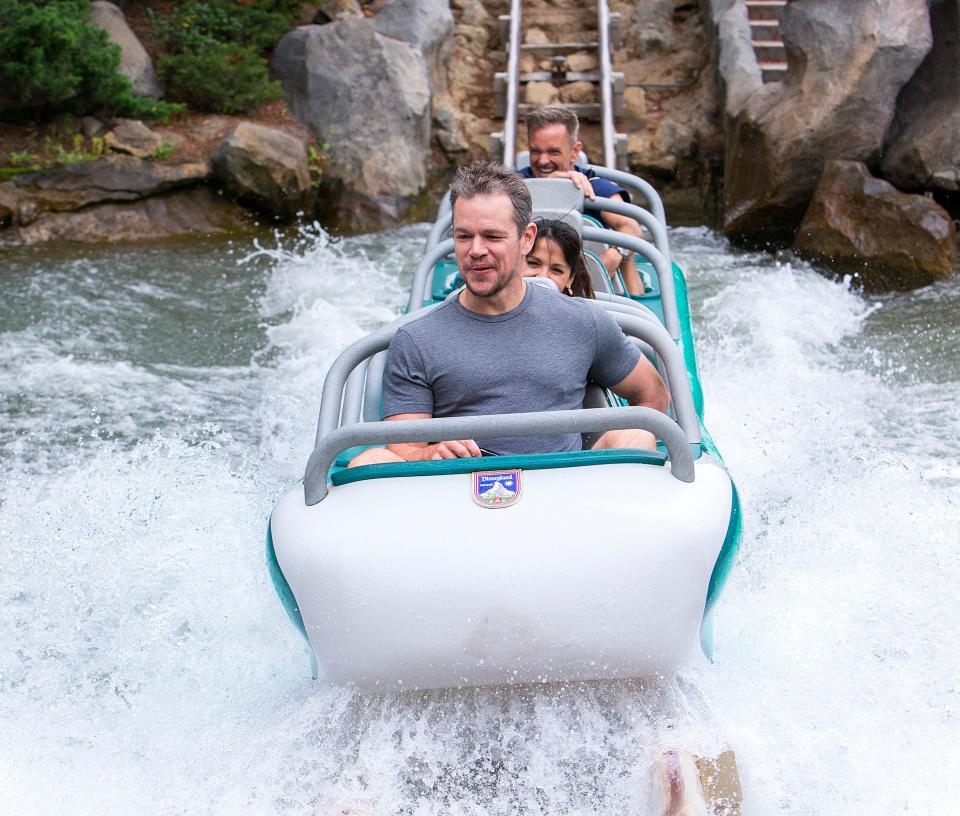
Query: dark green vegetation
(53,62)
(210,55)
(214,52)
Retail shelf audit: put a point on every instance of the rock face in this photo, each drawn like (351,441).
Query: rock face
(264,168)
(114,198)
(861,224)
(135,63)
(367,96)
(924,141)
(847,64)
(330,10)
(112,178)
(738,74)
(133,137)
(196,211)
(650,27)
(424,24)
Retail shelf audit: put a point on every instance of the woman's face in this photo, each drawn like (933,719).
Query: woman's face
(547,261)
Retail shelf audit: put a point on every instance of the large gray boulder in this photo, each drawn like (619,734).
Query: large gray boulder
(424,24)
(924,141)
(847,63)
(650,27)
(864,225)
(193,211)
(264,168)
(330,10)
(116,178)
(133,137)
(737,72)
(368,98)
(135,62)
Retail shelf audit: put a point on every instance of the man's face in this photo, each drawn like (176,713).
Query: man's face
(489,251)
(551,151)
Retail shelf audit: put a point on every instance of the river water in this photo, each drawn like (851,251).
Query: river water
(154,402)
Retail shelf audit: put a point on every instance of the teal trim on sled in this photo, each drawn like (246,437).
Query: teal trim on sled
(728,553)
(529,461)
(282,587)
(686,339)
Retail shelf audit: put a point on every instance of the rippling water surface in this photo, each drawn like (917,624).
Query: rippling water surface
(154,401)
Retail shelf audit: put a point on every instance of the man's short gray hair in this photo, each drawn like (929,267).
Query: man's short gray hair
(554,115)
(485,178)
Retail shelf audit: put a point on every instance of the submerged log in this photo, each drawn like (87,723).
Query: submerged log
(720,781)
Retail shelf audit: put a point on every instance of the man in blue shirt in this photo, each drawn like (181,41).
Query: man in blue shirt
(553,134)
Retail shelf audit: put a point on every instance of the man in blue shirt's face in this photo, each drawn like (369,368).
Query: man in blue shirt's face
(552,135)
(552,151)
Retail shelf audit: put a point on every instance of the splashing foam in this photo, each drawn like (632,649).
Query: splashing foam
(837,663)
(149,667)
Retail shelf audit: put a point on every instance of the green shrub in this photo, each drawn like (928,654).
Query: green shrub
(200,23)
(213,58)
(220,78)
(53,62)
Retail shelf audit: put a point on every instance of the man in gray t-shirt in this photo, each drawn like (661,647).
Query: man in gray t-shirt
(537,356)
(504,346)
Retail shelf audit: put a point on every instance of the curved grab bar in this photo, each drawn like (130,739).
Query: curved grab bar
(645,188)
(342,367)
(668,288)
(422,273)
(645,217)
(538,423)
(440,223)
(678,382)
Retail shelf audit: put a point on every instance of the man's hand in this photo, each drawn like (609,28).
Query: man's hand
(454,449)
(580,181)
(422,451)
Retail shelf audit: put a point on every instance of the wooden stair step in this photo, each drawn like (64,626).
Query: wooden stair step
(765,9)
(770,51)
(765,30)
(589,111)
(772,71)
(558,49)
(570,76)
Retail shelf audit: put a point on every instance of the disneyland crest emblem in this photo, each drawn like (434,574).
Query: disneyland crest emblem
(496,488)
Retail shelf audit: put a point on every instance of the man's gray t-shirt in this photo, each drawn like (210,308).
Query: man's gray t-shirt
(536,357)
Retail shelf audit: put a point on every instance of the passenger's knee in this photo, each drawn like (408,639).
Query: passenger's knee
(630,438)
(374,456)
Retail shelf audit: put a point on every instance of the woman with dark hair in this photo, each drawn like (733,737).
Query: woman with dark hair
(558,254)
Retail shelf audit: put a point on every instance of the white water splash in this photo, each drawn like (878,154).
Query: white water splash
(149,667)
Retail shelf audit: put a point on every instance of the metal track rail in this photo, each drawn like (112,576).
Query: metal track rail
(508,83)
(513,86)
(606,87)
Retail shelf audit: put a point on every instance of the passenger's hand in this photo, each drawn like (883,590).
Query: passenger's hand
(453,449)
(579,180)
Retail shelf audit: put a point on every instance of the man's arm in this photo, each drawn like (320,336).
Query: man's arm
(644,386)
(422,451)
